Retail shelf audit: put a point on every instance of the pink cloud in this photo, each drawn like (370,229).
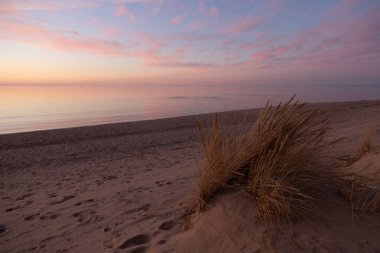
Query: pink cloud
(337,41)
(150,53)
(214,11)
(22,5)
(176,20)
(247,46)
(153,57)
(348,38)
(195,25)
(192,37)
(174,64)
(261,41)
(227,43)
(6,7)
(342,8)
(155,6)
(331,44)
(200,7)
(149,43)
(150,50)
(173,59)
(153,54)
(111,32)
(69,41)
(275,4)
(280,50)
(243,25)
(262,56)
(121,10)
(48,5)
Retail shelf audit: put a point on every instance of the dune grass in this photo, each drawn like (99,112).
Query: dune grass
(361,187)
(272,160)
(363,192)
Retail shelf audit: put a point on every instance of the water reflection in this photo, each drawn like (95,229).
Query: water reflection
(36,108)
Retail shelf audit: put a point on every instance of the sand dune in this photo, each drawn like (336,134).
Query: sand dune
(123,188)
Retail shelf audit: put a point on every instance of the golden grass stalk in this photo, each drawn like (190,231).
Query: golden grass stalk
(272,161)
(222,158)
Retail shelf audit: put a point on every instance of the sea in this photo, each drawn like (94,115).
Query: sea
(42,107)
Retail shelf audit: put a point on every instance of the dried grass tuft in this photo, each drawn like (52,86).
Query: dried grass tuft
(361,187)
(363,192)
(272,161)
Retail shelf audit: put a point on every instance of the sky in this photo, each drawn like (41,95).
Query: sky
(175,42)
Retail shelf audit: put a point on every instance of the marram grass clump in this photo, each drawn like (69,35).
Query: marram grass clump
(271,160)
(362,185)
(363,192)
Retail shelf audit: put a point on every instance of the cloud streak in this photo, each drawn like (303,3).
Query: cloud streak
(68,40)
(176,19)
(244,24)
(121,10)
(204,36)
(330,42)
(214,11)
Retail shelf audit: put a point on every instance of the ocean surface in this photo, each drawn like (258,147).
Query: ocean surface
(31,108)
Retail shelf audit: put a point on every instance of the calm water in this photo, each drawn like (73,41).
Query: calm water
(36,108)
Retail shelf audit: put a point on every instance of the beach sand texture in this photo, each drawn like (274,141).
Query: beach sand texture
(123,188)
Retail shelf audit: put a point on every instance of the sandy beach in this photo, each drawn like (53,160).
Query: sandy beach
(124,187)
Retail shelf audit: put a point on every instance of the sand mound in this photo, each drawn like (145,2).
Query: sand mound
(231,225)
(348,222)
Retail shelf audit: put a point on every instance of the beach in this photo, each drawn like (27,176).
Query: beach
(124,188)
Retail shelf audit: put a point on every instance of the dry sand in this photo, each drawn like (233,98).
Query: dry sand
(123,187)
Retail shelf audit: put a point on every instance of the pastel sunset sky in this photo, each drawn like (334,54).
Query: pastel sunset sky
(190,42)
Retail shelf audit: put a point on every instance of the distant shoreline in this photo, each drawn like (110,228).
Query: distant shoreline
(113,130)
(30,109)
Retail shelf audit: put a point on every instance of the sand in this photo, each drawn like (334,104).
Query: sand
(123,188)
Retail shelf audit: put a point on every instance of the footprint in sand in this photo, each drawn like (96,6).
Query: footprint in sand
(167,225)
(12,208)
(51,216)
(31,217)
(85,201)
(139,250)
(52,195)
(25,196)
(160,183)
(99,182)
(160,242)
(135,241)
(3,228)
(145,207)
(64,199)
(88,217)
(109,177)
